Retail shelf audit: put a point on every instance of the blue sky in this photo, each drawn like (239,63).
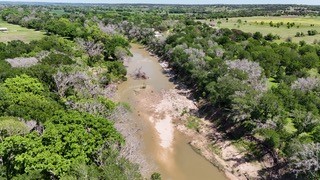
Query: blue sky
(310,2)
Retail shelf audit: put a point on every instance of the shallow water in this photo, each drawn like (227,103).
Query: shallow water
(179,162)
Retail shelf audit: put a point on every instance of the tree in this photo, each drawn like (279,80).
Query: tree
(26,97)
(23,84)
(305,160)
(222,91)
(112,43)
(70,138)
(56,59)
(269,107)
(310,60)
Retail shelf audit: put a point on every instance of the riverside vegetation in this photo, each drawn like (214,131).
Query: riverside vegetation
(261,93)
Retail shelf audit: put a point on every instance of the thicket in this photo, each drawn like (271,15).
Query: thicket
(54,112)
(263,90)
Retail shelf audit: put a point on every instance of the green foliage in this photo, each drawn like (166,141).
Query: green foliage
(23,84)
(193,123)
(25,97)
(312,32)
(289,127)
(156,176)
(54,59)
(10,126)
(257,36)
(116,167)
(69,139)
(272,138)
(113,43)
(115,72)
(65,144)
(316,133)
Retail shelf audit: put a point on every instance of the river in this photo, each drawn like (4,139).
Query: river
(179,161)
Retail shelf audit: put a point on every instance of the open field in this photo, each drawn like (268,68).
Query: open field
(253,24)
(16,32)
(58,11)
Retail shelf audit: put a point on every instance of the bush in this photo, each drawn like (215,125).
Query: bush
(156,176)
(312,32)
(56,59)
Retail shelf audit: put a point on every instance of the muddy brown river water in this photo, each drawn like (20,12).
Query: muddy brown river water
(179,161)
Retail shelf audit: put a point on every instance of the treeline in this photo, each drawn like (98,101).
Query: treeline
(54,111)
(263,90)
(67,25)
(217,11)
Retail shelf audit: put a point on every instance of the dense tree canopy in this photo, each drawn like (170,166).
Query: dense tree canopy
(53,111)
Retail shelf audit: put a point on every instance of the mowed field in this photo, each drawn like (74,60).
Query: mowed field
(253,24)
(16,32)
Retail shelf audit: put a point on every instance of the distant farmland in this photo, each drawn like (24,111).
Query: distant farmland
(16,32)
(262,24)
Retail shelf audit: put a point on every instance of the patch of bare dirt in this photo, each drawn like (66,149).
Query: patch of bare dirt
(164,107)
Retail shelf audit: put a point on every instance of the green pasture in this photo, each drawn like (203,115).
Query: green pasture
(253,24)
(16,32)
(58,12)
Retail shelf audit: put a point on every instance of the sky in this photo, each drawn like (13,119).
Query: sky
(309,2)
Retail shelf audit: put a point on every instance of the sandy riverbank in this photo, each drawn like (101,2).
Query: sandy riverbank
(168,108)
(169,113)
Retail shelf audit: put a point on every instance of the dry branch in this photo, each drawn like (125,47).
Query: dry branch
(139,74)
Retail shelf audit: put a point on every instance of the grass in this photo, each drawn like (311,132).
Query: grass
(250,148)
(16,32)
(193,123)
(253,24)
(215,149)
(242,145)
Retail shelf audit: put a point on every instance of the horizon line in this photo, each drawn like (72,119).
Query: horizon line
(136,3)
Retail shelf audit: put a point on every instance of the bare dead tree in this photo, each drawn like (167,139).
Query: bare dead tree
(22,62)
(77,79)
(306,159)
(42,54)
(109,28)
(253,70)
(132,150)
(196,57)
(92,48)
(121,53)
(306,84)
(81,82)
(139,74)
(92,106)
